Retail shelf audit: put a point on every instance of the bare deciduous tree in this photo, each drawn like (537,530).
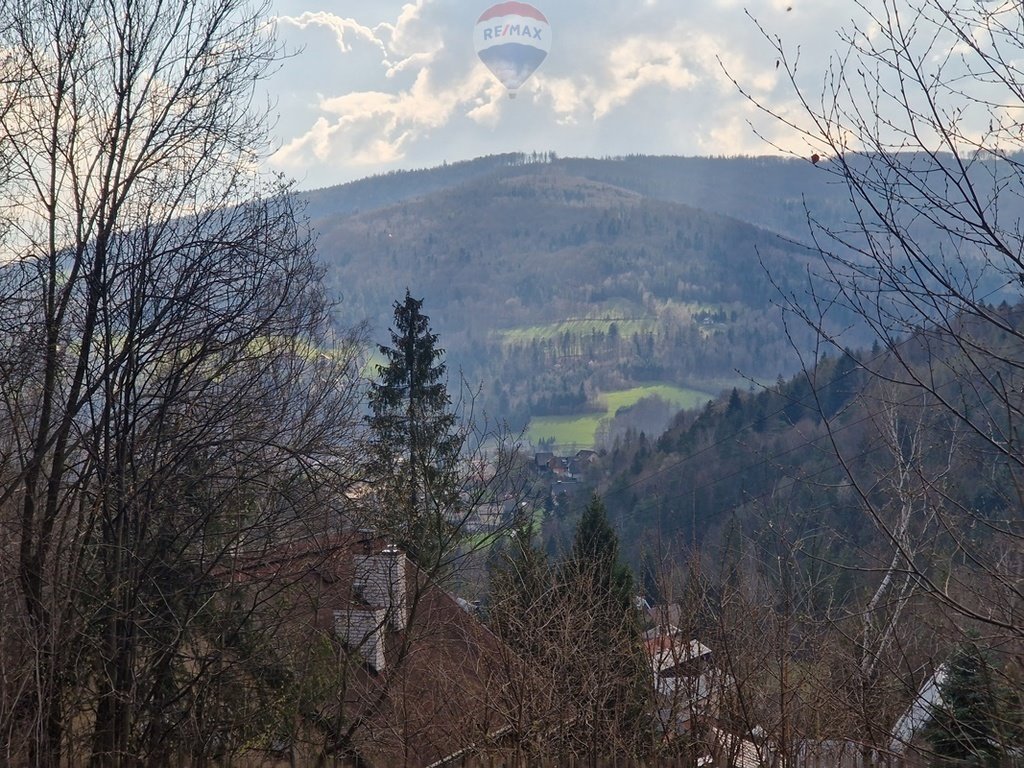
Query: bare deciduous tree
(919,118)
(575,682)
(172,395)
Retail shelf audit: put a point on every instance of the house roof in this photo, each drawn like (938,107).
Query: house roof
(920,710)
(668,651)
(431,699)
(740,752)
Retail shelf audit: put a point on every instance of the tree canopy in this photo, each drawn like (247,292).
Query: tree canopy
(414,443)
(595,552)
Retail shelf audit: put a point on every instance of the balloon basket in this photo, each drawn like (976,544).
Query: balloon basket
(511,95)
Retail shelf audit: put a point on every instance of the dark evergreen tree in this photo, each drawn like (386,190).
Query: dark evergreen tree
(520,576)
(414,445)
(595,552)
(605,588)
(973,721)
(574,623)
(735,406)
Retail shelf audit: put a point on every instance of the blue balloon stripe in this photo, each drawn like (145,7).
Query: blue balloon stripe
(512,63)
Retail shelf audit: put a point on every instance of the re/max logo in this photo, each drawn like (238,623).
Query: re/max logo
(513,30)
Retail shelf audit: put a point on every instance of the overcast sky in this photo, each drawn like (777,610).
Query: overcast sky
(383,84)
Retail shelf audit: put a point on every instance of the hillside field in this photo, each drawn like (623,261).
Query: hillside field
(579,432)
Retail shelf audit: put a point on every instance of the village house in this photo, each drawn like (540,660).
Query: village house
(687,684)
(406,672)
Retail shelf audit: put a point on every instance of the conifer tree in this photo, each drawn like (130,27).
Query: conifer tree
(573,622)
(414,444)
(973,721)
(612,642)
(595,552)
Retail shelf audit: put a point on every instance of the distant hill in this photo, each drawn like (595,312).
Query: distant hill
(763,463)
(390,188)
(552,281)
(768,191)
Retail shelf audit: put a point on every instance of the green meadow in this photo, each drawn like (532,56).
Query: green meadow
(580,431)
(680,396)
(626,328)
(575,431)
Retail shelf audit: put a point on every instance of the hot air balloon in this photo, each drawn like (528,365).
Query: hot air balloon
(512,39)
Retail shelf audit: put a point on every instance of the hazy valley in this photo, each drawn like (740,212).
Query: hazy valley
(570,288)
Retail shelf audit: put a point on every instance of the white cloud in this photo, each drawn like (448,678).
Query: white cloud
(343,29)
(410,35)
(566,95)
(393,82)
(413,61)
(376,127)
(640,62)
(674,61)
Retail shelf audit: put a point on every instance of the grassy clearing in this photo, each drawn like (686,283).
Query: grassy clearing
(568,431)
(678,396)
(626,326)
(580,431)
(628,319)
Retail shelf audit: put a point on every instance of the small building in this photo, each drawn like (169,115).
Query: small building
(582,461)
(485,518)
(404,664)
(919,711)
(687,685)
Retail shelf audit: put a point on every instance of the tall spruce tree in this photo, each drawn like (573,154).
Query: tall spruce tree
(573,622)
(595,552)
(975,722)
(612,640)
(414,446)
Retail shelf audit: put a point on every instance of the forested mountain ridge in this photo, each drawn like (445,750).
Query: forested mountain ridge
(762,461)
(387,189)
(767,191)
(552,282)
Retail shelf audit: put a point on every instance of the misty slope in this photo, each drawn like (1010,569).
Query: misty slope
(546,245)
(763,463)
(767,191)
(388,189)
(554,282)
